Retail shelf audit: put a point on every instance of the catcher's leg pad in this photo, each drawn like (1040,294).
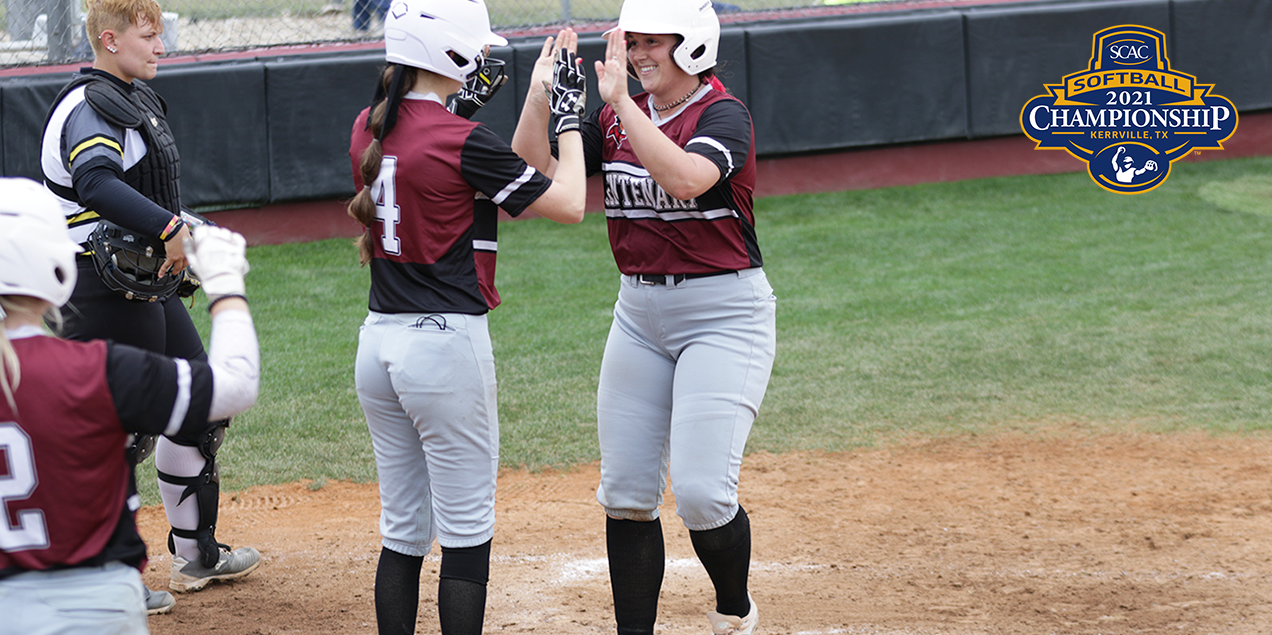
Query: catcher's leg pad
(140,449)
(206,488)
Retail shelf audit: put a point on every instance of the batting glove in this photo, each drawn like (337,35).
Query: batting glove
(567,97)
(191,282)
(219,257)
(480,88)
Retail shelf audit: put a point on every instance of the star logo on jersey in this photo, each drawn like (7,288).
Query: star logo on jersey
(616,133)
(1129,115)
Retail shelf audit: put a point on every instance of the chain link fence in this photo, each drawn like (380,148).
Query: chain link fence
(39,32)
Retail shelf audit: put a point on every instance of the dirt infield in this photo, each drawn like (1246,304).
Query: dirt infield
(1063,533)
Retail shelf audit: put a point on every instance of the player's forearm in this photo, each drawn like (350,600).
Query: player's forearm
(234,357)
(570,168)
(680,173)
(530,139)
(101,190)
(565,199)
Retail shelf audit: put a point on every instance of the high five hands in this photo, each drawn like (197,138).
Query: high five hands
(611,73)
(559,70)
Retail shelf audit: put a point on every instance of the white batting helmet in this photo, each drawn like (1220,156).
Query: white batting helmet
(446,37)
(693,20)
(37,256)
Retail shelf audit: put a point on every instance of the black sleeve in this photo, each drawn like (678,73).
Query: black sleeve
(490,166)
(723,135)
(151,391)
(102,190)
(590,128)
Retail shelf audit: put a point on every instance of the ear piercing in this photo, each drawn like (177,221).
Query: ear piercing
(112,49)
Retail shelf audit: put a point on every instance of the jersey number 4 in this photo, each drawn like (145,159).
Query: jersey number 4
(384,193)
(17,482)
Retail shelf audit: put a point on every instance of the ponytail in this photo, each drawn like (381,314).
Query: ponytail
(10,369)
(395,81)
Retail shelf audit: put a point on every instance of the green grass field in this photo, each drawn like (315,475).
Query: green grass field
(950,309)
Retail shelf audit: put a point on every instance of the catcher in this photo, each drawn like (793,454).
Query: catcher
(110,157)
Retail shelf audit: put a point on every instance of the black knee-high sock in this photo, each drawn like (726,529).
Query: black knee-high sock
(636,561)
(397,592)
(461,589)
(726,554)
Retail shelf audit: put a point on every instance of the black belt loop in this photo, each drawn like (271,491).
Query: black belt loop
(649,278)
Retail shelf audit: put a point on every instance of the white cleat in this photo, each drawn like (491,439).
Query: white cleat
(159,602)
(733,625)
(192,576)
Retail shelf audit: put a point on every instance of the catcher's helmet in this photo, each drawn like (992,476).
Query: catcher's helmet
(37,256)
(446,37)
(128,263)
(695,21)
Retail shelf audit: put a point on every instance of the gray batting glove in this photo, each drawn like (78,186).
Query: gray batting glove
(219,257)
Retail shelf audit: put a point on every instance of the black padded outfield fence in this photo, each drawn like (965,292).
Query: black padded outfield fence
(51,31)
(272,126)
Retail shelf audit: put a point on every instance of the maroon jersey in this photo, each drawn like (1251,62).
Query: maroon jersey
(67,489)
(651,232)
(435,236)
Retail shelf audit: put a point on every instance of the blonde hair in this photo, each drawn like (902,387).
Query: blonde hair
(118,15)
(362,207)
(10,369)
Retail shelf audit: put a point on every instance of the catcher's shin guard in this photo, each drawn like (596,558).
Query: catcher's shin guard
(206,488)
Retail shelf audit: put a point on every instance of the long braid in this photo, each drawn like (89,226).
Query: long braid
(362,207)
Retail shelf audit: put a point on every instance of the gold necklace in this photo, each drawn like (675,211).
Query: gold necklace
(673,104)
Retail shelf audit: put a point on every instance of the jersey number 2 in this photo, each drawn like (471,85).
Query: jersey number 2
(384,193)
(17,483)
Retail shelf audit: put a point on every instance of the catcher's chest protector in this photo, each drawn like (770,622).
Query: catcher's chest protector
(157,175)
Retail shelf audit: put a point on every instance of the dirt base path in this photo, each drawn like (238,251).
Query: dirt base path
(1069,534)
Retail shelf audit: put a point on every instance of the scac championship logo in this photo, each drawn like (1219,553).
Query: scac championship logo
(1129,115)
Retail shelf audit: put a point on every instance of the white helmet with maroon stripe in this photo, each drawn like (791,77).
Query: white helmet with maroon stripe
(447,37)
(37,256)
(693,20)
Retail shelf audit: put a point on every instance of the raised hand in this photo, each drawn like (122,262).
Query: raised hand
(544,67)
(611,73)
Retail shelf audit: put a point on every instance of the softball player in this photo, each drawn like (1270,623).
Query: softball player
(109,156)
(429,182)
(693,339)
(70,554)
